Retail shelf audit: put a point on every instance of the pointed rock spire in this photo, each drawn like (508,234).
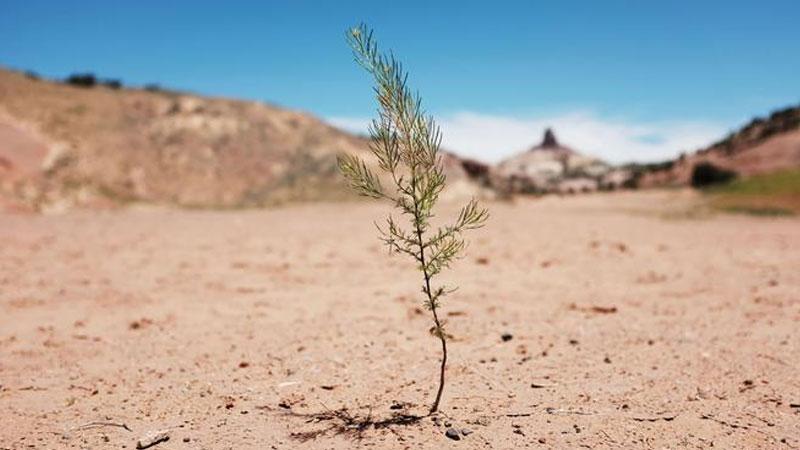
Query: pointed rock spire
(549,139)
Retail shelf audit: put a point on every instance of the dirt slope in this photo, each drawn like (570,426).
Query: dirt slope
(763,146)
(107,146)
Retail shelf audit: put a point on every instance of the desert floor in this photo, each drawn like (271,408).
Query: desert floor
(634,323)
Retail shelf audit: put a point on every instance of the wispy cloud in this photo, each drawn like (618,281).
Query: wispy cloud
(494,137)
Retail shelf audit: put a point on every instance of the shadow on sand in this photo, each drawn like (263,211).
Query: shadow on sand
(341,423)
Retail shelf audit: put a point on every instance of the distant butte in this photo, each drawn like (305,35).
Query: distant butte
(549,140)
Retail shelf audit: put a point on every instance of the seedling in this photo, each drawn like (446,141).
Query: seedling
(405,141)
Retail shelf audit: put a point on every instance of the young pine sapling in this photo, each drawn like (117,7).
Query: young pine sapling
(406,143)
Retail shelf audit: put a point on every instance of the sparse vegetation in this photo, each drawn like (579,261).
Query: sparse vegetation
(112,83)
(786,182)
(642,168)
(706,174)
(406,142)
(639,170)
(90,80)
(85,80)
(763,211)
(760,129)
(633,181)
(763,195)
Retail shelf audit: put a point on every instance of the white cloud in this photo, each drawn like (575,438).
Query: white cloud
(493,137)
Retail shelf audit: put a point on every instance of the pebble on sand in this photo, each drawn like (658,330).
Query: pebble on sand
(453,434)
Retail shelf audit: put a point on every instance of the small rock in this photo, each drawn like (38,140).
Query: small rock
(186,439)
(151,439)
(703,394)
(466,431)
(139,324)
(453,434)
(506,337)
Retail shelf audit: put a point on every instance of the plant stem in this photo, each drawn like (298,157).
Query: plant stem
(435,406)
(432,305)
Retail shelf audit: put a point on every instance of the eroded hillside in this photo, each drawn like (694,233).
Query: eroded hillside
(98,146)
(765,145)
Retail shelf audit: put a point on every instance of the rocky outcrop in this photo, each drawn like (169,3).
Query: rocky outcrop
(551,167)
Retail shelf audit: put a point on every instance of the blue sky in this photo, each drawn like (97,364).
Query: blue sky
(622,79)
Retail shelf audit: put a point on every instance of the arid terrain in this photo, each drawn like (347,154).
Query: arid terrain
(765,145)
(67,147)
(631,320)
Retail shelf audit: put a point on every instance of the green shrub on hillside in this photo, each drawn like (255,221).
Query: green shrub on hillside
(86,80)
(705,174)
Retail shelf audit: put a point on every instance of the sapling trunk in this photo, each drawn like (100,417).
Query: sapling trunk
(437,325)
(406,143)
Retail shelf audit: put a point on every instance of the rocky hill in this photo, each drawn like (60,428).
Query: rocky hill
(65,146)
(763,146)
(552,167)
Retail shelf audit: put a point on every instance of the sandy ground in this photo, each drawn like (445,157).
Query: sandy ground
(632,326)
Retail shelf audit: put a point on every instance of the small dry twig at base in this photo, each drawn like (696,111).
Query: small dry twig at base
(98,424)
